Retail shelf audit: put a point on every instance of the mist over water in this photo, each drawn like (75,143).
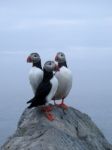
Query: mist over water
(81,29)
(91,92)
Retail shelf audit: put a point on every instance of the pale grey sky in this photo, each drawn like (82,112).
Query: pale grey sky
(61,24)
(82,29)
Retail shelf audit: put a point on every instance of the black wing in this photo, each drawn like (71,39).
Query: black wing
(40,96)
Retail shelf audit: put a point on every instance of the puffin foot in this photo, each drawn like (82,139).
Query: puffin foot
(62,105)
(47,108)
(49,116)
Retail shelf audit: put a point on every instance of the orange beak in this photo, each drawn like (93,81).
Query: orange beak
(56,58)
(29,59)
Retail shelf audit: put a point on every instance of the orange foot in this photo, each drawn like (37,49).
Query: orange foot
(62,105)
(47,108)
(49,116)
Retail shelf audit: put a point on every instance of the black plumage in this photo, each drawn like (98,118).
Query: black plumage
(37,64)
(42,91)
(61,64)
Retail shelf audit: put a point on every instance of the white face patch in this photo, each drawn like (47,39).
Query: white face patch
(35,57)
(49,66)
(60,57)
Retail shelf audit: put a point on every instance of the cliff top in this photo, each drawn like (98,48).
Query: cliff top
(71,130)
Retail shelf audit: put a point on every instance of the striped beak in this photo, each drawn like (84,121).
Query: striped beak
(29,60)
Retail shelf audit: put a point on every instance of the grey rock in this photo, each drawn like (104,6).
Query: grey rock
(71,130)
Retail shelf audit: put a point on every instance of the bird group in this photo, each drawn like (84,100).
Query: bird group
(53,81)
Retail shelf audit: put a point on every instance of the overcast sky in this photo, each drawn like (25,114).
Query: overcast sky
(80,28)
(60,24)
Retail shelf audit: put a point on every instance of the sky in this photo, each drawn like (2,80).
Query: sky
(82,29)
(60,24)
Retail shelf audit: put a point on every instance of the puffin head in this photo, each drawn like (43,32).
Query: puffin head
(49,66)
(60,57)
(33,58)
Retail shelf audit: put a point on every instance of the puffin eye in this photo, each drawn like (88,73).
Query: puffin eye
(50,63)
(35,55)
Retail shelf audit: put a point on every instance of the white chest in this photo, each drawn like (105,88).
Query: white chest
(64,77)
(35,77)
(54,83)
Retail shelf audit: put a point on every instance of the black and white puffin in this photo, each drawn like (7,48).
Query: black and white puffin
(64,76)
(46,90)
(36,72)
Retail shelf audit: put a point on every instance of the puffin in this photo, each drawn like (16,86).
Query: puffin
(64,77)
(36,72)
(46,90)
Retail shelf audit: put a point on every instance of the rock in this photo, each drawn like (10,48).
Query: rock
(71,130)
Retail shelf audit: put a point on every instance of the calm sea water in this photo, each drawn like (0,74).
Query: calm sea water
(91,92)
